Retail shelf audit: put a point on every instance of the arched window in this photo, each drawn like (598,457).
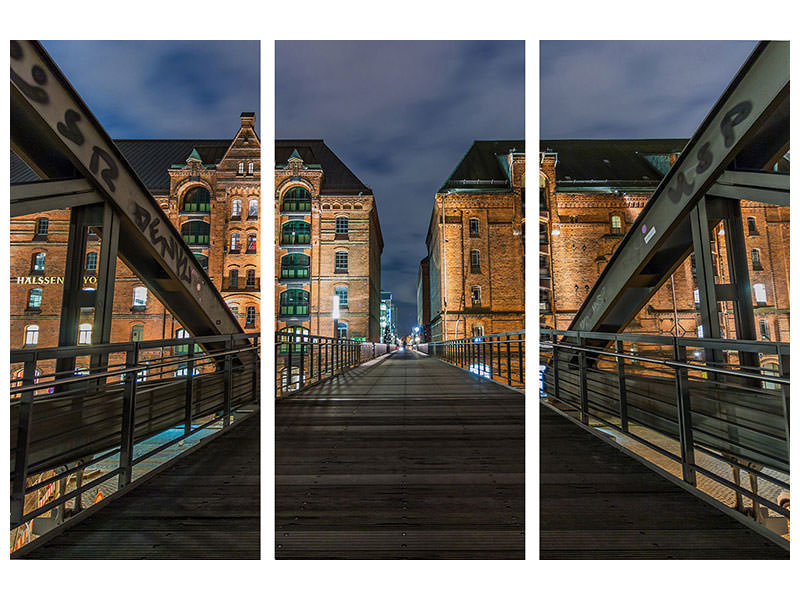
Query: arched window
(182,334)
(37,262)
(477,330)
(250,278)
(293,303)
(91,261)
(196,233)
(203,260)
(250,168)
(251,243)
(236,208)
(139,297)
(751,226)
(296,336)
(35,298)
(197,200)
(297,199)
(295,266)
(85,333)
(31,335)
(234,308)
(341,293)
(250,316)
(42,226)
(342,225)
(137,333)
(252,208)
(235,242)
(476,295)
(341,328)
(340,262)
(756,256)
(475,261)
(295,232)
(474,227)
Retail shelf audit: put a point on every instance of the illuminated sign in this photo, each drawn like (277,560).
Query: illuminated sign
(54,280)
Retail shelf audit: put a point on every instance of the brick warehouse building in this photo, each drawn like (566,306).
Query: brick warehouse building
(475,269)
(209,189)
(328,243)
(591,191)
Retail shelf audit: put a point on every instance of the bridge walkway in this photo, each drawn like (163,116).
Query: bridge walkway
(599,503)
(206,505)
(408,458)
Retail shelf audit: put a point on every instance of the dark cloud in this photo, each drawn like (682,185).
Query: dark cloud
(164,89)
(400,115)
(633,89)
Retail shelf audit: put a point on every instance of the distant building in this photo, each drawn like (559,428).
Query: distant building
(424,300)
(475,268)
(208,189)
(328,243)
(388,318)
(590,193)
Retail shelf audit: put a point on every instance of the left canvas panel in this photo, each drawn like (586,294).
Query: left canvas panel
(134,299)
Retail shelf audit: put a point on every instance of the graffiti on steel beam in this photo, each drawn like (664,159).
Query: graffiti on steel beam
(104,165)
(705,157)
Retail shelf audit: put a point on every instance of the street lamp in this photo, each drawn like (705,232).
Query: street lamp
(335,315)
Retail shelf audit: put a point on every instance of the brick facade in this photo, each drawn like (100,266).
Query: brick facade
(476,253)
(224,181)
(342,221)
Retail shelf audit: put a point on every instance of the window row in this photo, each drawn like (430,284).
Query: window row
(233,279)
(236,242)
(139,298)
(250,168)
(249,313)
(252,208)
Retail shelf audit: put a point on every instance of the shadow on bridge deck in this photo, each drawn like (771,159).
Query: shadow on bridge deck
(206,505)
(408,458)
(599,503)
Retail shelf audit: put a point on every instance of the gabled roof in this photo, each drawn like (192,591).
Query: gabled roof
(482,165)
(337,178)
(642,163)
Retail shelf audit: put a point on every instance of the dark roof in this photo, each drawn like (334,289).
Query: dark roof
(612,162)
(150,159)
(338,179)
(481,166)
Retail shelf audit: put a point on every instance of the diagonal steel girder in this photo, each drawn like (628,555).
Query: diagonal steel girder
(54,131)
(746,129)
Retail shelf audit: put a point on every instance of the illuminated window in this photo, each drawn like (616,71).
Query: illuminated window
(236,207)
(250,316)
(340,262)
(38,261)
(296,232)
(699,331)
(241,168)
(250,167)
(342,225)
(295,266)
(761,293)
(35,298)
(297,199)
(140,297)
(91,261)
(616,224)
(252,208)
(31,335)
(251,242)
(341,293)
(85,333)
(293,302)
(341,328)
(697,297)
(197,200)
(137,333)
(235,237)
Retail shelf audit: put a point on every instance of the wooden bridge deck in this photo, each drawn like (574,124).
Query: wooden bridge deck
(409,458)
(204,506)
(599,503)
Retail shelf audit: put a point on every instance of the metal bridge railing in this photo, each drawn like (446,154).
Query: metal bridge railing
(302,359)
(695,391)
(97,414)
(499,357)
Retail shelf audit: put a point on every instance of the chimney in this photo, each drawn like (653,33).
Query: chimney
(248,119)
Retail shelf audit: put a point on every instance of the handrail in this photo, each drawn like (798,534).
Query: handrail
(498,356)
(90,419)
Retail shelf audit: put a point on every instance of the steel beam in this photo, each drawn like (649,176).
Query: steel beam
(41,196)
(741,128)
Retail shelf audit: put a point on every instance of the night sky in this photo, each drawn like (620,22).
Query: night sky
(155,89)
(400,115)
(632,89)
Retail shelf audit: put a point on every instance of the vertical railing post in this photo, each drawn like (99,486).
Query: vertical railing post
(584,392)
(783,370)
(128,418)
(521,358)
(556,384)
(288,366)
(187,425)
(491,360)
(686,436)
(256,370)
(228,383)
(302,374)
(508,359)
(623,392)
(310,342)
(25,419)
